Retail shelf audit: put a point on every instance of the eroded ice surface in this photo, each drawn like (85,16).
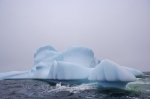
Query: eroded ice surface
(75,63)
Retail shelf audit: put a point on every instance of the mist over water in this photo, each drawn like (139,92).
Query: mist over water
(114,29)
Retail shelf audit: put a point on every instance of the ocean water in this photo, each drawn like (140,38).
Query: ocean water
(36,89)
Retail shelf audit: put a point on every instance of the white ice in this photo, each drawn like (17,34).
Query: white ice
(109,71)
(75,63)
(69,71)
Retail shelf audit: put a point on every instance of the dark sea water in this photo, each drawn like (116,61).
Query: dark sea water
(35,89)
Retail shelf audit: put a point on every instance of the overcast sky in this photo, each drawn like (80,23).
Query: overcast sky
(114,29)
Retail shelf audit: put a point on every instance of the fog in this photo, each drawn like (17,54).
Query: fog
(114,29)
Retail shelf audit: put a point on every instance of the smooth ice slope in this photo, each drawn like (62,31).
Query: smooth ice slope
(14,74)
(135,72)
(110,71)
(73,64)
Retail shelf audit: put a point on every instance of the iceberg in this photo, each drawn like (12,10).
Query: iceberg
(65,70)
(80,55)
(109,71)
(135,72)
(75,63)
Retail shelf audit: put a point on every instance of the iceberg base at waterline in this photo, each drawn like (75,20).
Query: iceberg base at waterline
(75,64)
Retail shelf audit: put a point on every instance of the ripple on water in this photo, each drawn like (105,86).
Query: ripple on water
(33,89)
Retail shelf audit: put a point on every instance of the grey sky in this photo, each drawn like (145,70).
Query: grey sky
(114,29)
